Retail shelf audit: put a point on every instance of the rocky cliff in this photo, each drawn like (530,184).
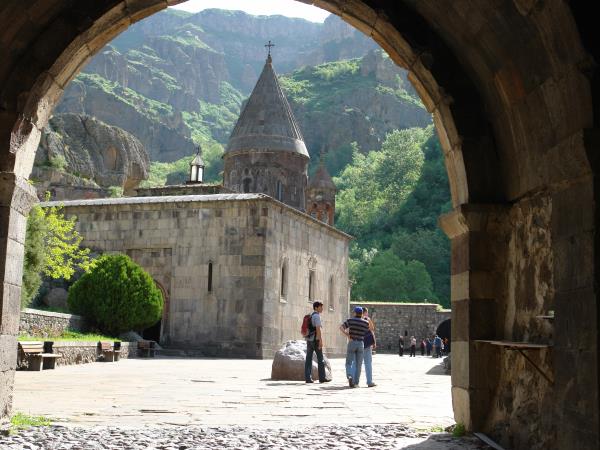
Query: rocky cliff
(80,156)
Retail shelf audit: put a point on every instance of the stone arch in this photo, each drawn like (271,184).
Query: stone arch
(517,115)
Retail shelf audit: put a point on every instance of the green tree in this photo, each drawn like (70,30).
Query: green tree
(392,279)
(52,248)
(117,295)
(372,189)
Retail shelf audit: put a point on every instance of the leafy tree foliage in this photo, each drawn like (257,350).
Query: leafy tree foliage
(390,278)
(117,295)
(52,248)
(390,200)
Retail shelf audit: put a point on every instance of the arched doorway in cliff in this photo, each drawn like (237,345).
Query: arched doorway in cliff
(516,120)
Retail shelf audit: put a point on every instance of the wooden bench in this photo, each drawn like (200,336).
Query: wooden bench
(146,348)
(107,353)
(36,358)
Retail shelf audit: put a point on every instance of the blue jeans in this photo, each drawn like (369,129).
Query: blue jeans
(368,358)
(313,347)
(354,357)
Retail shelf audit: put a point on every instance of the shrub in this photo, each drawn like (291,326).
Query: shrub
(117,295)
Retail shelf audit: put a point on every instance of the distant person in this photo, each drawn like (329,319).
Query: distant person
(437,346)
(413,346)
(428,346)
(422,346)
(314,344)
(400,346)
(355,329)
(446,349)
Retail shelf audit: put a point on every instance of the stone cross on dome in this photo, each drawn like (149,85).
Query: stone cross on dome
(269,45)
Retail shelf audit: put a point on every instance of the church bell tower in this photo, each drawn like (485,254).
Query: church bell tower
(266,152)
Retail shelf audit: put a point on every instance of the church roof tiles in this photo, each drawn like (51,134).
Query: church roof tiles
(267,121)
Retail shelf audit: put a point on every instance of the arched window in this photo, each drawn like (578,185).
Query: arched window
(247,182)
(331,293)
(279,191)
(210,276)
(283,290)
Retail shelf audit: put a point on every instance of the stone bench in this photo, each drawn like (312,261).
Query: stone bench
(108,352)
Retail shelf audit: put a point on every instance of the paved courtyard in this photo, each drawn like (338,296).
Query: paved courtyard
(234,399)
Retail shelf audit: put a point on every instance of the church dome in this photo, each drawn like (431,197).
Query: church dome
(267,122)
(321,179)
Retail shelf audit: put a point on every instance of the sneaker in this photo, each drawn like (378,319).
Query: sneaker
(326,380)
(350,382)
(309,381)
(371,385)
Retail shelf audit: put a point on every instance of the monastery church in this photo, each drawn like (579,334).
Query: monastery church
(239,264)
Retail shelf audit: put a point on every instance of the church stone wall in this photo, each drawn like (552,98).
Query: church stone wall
(303,245)
(393,320)
(176,238)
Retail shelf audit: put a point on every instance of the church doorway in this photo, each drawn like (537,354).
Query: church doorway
(517,116)
(154,332)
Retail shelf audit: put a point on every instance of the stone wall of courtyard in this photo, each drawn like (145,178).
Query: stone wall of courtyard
(35,322)
(81,353)
(393,320)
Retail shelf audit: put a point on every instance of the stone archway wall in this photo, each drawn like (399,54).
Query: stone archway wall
(511,87)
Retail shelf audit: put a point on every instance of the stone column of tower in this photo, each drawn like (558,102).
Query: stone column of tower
(320,195)
(266,152)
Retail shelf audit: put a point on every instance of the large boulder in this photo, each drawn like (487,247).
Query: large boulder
(288,363)
(56,298)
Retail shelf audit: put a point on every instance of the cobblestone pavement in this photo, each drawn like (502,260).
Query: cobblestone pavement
(376,437)
(176,403)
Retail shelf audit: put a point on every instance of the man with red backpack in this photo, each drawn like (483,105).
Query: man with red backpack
(314,343)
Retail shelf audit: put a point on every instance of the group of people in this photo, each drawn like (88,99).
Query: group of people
(360,332)
(434,346)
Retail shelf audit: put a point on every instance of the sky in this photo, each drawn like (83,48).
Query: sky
(289,8)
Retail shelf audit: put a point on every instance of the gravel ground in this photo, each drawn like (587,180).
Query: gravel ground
(190,437)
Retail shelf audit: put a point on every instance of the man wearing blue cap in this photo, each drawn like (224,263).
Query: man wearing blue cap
(355,330)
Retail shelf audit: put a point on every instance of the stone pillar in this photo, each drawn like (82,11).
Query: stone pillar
(478,241)
(16,198)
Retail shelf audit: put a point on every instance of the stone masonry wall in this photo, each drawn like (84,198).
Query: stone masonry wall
(177,240)
(294,250)
(392,320)
(81,353)
(35,322)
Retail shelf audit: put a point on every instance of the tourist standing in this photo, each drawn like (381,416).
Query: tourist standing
(413,346)
(422,347)
(314,344)
(355,329)
(428,346)
(370,344)
(437,346)
(400,346)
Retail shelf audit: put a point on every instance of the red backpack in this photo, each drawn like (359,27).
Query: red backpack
(307,327)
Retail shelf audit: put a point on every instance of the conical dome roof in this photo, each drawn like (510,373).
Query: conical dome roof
(321,179)
(267,121)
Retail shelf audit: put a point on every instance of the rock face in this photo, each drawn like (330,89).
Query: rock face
(82,156)
(288,363)
(56,298)
(174,76)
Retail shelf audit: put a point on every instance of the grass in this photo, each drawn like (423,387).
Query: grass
(21,421)
(459,430)
(69,335)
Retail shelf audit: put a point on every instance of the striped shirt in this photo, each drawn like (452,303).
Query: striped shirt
(357,327)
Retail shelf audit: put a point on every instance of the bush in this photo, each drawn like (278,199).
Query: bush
(117,295)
